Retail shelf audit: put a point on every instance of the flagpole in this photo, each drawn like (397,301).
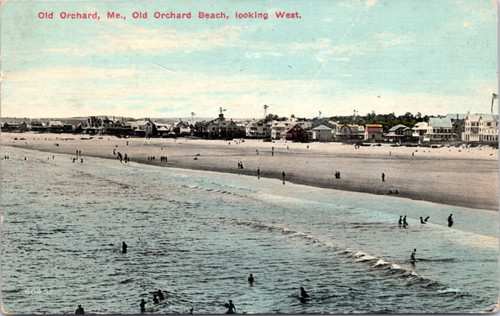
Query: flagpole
(492,100)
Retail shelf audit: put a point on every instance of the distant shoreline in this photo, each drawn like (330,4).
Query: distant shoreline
(451,176)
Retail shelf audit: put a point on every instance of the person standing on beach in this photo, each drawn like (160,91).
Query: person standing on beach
(450,220)
(383,177)
(124,247)
(283,175)
(413,254)
(258,173)
(400,220)
(143,306)
(404,222)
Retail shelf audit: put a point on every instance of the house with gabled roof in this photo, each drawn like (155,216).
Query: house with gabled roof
(350,132)
(296,134)
(397,133)
(322,133)
(258,129)
(439,129)
(278,129)
(481,127)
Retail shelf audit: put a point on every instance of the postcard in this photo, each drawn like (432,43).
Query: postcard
(249,157)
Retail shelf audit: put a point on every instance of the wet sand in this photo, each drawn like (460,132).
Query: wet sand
(465,177)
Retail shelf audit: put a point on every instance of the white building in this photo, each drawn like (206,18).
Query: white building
(481,128)
(258,129)
(439,129)
(278,129)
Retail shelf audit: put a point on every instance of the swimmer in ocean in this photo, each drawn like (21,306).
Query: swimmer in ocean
(303,293)
(250,279)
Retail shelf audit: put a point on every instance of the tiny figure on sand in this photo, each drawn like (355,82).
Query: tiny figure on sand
(450,220)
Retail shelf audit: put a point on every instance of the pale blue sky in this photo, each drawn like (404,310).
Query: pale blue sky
(385,56)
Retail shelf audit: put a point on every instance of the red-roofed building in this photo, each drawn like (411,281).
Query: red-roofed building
(297,134)
(373,132)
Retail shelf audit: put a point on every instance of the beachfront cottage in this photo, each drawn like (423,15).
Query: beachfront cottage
(296,134)
(182,128)
(278,129)
(350,132)
(258,129)
(481,128)
(488,128)
(335,126)
(59,127)
(397,133)
(220,128)
(143,128)
(322,133)
(104,125)
(373,132)
(418,131)
(439,129)
(36,126)
(14,127)
(240,129)
(162,129)
(115,127)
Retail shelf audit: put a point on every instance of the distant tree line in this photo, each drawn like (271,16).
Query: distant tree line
(387,120)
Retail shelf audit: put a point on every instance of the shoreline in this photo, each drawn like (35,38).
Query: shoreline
(433,175)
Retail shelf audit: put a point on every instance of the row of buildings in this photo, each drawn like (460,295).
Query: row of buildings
(452,127)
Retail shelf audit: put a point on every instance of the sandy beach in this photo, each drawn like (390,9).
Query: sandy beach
(465,177)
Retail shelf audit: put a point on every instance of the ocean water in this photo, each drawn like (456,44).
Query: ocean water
(198,235)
